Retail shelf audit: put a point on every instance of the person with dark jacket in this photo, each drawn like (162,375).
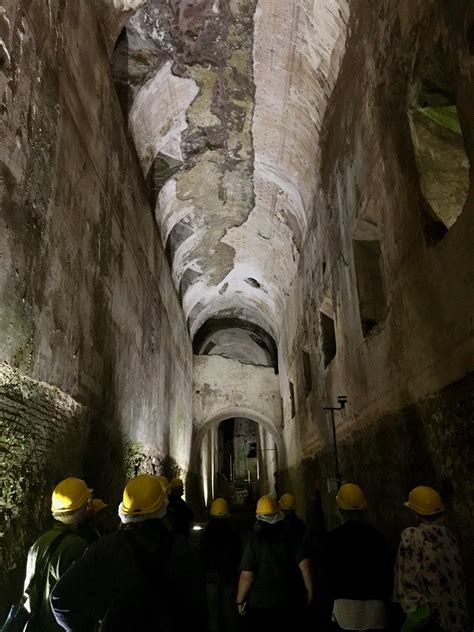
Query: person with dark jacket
(357,566)
(100,522)
(269,572)
(142,577)
(221,550)
(54,552)
(181,516)
(315,532)
(295,525)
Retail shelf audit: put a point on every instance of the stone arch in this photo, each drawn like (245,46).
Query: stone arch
(228,413)
(194,484)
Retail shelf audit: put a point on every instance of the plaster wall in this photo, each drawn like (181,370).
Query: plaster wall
(223,387)
(425,340)
(87,300)
(268,454)
(231,94)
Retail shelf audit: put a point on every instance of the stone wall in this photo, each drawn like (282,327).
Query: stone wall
(88,304)
(223,387)
(400,430)
(36,421)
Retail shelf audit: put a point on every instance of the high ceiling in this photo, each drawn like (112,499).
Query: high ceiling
(225,100)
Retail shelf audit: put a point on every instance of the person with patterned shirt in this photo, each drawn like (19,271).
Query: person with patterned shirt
(429,579)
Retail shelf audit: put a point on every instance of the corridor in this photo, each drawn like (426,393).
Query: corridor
(236,248)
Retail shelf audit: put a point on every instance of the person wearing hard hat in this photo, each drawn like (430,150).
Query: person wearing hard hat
(268,568)
(165,484)
(221,550)
(296,531)
(294,524)
(141,577)
(101,521)
(181,516)
(429,579)
(356,563)
(54,552)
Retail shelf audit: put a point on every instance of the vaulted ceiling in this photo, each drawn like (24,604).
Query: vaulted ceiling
(225,100)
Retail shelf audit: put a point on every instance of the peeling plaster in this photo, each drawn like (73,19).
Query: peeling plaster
(248,182)
(158,116)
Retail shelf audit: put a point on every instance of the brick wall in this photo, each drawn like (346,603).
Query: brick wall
(43,434)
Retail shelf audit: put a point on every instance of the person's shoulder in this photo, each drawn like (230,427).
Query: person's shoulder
(46,536)
(254,537)
(111,539)
(110,544)
(373,531)
(408,535)
(337,532)
(348,532)
(73,540)
(43,541)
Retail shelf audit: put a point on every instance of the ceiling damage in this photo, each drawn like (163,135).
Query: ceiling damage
(225,101)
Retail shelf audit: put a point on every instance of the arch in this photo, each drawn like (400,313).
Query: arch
(230,412)
(246,335)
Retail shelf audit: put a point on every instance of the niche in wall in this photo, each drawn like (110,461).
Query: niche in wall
(370,285)
(292,399)
(369,269)
(441,159)
(308,379)
(328,330)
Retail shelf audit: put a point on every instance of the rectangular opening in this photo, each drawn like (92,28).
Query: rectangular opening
(370,283)
(329,338)
(308,379)
(442,162)
(292,399)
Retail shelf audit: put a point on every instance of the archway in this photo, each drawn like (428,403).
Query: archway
(203,471)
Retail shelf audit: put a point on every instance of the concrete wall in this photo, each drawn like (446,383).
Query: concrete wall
(410,399)
(87,301)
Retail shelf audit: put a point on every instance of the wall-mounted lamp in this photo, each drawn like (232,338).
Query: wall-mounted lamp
(342,401)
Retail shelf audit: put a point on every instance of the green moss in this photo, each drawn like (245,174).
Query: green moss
(169,467)
(134,456)
(139,461)
(445,115)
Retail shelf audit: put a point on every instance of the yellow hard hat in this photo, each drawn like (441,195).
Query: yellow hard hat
(219,508)
(267,506)
(176,482)
(351,498)
(425,501)
(98,504)
(144,494)
(69,495)
(164,483)
(287,502)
